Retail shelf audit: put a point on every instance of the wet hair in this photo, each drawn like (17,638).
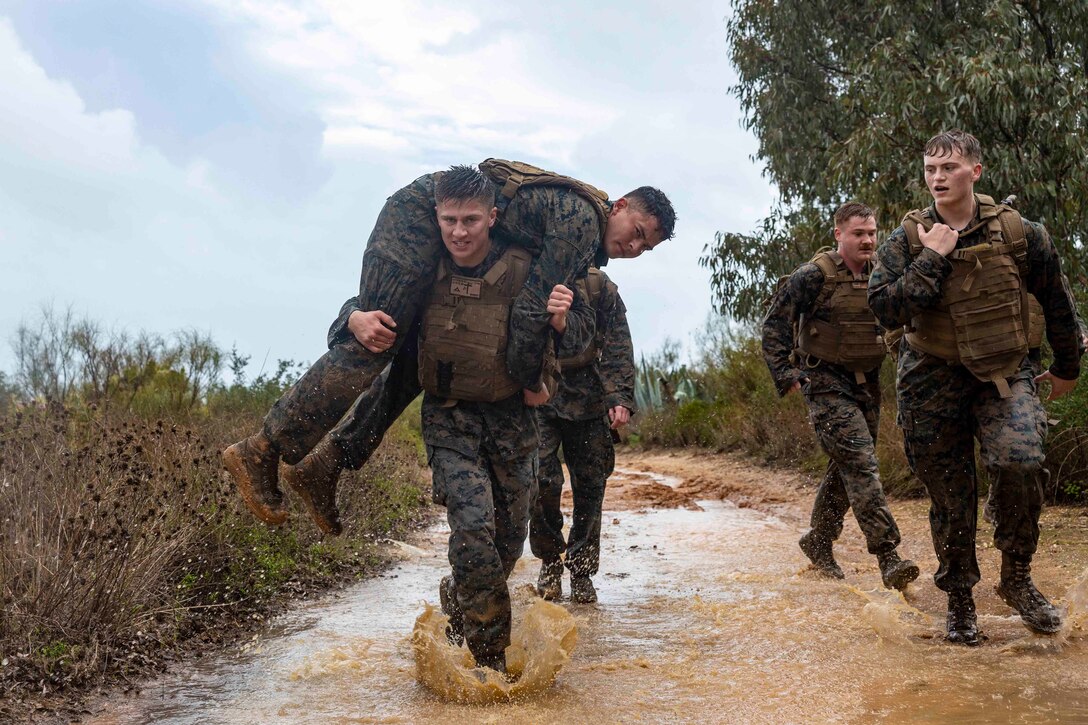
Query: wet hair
(464,183)
(944,143)
(653,201)
(852,209)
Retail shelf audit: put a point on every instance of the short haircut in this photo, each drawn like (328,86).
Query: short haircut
(852,209)
(653,201)
(944,143)
(464,183)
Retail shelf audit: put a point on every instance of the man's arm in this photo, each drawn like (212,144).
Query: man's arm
(901,287)
(567,229)
(796,297)
(617,367)
(1046,281)
(373,329)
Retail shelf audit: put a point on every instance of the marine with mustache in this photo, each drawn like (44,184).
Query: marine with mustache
(820,338)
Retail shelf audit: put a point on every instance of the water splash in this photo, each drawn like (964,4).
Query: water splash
(891,616)
(541,644)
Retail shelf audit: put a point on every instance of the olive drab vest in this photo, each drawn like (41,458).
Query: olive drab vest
(462,343)
(982,318)
(589,289)
(513,175)
(852,338)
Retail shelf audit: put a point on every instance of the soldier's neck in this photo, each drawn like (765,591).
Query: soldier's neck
(959,214)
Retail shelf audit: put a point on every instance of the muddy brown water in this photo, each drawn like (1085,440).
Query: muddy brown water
(707,613)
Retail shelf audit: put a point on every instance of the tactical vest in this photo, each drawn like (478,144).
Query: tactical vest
(852,337)
(982,318)
(589,289)
(514,175)
(462,343)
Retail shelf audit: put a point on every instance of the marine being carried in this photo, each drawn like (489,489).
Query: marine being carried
(820,338)
(957,274)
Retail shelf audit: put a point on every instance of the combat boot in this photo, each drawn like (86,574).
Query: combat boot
(253,464)
(549,585)
(494,662)
(447,599)
(1018,591)
(314,479)
(582,590)
(897,573)
(962,620)
(818,551)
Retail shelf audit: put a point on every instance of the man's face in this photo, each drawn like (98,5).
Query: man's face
(466,227)
(857,239)
(630,231)
(951,178)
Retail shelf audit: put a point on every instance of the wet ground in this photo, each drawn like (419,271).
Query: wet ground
(707,613)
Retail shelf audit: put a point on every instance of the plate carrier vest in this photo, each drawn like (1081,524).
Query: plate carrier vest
(589,288)
(983,317)
(462,343)
(852,338)
(513,175)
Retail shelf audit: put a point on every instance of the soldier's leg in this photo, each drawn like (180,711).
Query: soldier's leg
(546,520)
(941,454)
(1011,449)
(591,458)
(513,489)
(830,505)
(479,575)
(844,433)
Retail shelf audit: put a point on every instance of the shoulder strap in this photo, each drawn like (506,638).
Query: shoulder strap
(1012,231)
(911,222)
(829,263)
(594,283)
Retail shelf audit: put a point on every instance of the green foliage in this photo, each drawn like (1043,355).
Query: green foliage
(843,96)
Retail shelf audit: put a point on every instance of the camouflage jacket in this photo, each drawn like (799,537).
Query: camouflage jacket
(797,297)
(592,390)
(901,287)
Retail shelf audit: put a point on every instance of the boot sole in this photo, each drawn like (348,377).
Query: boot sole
(333,528)
(903,578)
(235,464)
(1037,629)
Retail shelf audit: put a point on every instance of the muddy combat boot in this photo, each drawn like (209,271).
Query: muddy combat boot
(819,553)
(549,585)
(897,573)
(962,621)
(253,464)
(1018,591)
(447,598)
(314,480)
(495,662)
(582,590)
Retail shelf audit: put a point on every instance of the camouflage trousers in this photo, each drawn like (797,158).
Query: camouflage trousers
(317,402)
(939,438)
(590,457)
(847,431)
(487,505)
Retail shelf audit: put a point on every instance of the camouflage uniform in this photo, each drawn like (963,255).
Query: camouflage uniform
(556,225)
(484,464)
(943,407)
(844,413)
(577,419)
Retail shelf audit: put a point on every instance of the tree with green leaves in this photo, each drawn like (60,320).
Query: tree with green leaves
(843,96)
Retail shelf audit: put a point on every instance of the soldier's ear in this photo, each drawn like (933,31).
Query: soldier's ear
(492,216)
(618,205)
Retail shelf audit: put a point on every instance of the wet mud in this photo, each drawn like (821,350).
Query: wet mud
(708,612)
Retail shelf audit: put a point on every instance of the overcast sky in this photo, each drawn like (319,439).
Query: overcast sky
(218,164)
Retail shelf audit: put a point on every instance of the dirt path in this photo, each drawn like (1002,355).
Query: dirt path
(707,613)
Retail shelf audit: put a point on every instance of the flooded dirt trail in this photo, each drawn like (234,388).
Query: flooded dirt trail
(707,613)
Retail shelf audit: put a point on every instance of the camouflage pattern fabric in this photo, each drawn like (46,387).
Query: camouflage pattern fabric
(486,496)
(576,419)
(845,416)
(943,408)
(590,457)
(592,390)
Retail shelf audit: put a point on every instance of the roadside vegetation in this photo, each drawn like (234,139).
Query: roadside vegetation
(725,400)
(121,541)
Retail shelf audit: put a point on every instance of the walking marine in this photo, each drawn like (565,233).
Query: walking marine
(820,338)
(595,396)
(957,275)
(563,225)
